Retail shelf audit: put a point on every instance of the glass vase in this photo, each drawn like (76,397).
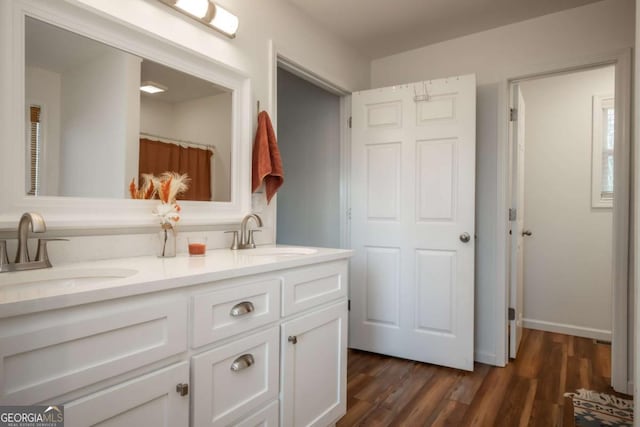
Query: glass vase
(167,241)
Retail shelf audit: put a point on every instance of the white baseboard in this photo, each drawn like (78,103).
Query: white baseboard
(484,357)
(561,328)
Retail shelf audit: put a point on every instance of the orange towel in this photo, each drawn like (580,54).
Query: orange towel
(267,164)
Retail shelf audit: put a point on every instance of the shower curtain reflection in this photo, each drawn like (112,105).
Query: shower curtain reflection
(157,157)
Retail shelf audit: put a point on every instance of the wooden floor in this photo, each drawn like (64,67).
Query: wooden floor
(384,391)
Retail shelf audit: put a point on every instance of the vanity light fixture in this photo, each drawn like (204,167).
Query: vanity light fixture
(152,87)
(209,13)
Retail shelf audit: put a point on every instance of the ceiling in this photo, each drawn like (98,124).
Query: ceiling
(180,86)
(383,27)
(58,50)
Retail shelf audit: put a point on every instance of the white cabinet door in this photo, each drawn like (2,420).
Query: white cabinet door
(314,368)
(412,221)
(150,400)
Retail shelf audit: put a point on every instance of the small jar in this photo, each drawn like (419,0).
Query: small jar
(197,246)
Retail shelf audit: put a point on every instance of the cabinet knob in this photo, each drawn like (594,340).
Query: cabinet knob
(182,389)
(242,362)
(242,308)
(293,339)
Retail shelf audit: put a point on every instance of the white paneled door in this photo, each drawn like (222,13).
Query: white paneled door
(412,221)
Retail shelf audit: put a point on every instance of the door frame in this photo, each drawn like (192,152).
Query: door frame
(622,247)
(280,59)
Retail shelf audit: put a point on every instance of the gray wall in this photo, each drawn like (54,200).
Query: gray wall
(309,140)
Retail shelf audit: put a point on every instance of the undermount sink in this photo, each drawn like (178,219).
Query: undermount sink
(281,251)
(67,278)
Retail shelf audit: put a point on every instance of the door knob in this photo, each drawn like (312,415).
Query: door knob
(293,339)
(465,237)
(527,233)
(182,389)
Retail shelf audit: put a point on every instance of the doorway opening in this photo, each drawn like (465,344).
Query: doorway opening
(568,211)
(312,133)
(309,142)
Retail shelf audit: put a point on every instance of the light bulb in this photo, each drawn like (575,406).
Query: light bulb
(197,8)
(225,21)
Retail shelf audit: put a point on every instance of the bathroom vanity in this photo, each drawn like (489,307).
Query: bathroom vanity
(251,337)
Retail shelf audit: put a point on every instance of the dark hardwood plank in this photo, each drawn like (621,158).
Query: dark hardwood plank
(385,391)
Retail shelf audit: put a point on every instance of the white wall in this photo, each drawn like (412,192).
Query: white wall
(568,260)
(496,55)
(100,128)
(196,120)
(43,88)
(156,117)
(309,142)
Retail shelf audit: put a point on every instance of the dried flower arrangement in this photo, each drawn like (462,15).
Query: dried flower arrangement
(167,187)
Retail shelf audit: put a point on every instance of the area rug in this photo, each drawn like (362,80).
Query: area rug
(592,409)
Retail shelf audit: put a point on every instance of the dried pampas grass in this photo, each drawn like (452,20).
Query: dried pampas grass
(147,189)
(171,185)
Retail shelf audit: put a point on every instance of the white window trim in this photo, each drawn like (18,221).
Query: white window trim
(600,102)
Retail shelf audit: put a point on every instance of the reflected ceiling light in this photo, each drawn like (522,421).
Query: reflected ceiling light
(208,13)
(152,87)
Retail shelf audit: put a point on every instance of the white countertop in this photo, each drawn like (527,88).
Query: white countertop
(151,274)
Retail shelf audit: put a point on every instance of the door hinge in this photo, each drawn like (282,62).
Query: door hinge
(512,313)
(350,122)
(513,115)
(349,305)
(349,214)
(513,214)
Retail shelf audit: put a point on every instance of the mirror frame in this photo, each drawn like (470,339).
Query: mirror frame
(85,213)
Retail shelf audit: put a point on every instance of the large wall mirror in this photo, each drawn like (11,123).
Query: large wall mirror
(98,117)
(96,112)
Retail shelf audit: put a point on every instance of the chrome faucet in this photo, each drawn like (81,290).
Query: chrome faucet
(246,236)
(35,222)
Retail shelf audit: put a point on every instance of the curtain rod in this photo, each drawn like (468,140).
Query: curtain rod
(179,141)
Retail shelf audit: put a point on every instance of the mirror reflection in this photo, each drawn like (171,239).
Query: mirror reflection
(98,117)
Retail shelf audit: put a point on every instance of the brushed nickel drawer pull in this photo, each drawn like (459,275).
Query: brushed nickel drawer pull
(242,308)
(293,339)
(242,362)
(182,389)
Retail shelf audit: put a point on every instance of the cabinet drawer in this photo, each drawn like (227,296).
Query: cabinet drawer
(51,354)
(150,400)
(265,417)
(232,381)
(307,287)
(221,314)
